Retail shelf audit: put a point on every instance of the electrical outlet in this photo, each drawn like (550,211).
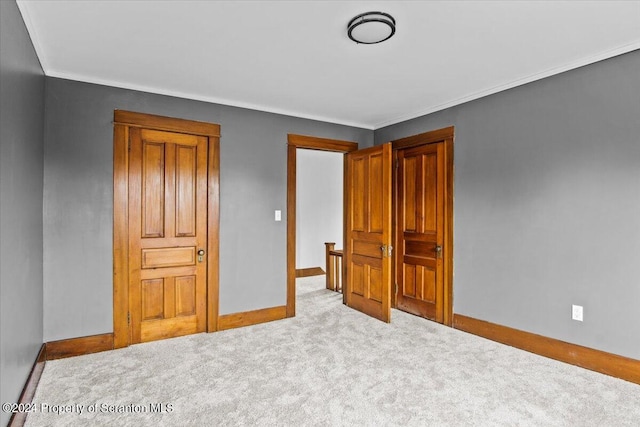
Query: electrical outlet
(278,215)
(576,312)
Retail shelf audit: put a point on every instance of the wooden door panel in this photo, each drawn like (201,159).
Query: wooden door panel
(428,281)
(152,299)
(420,229)
(168,196)
(419,248)
(430,187)
(375,284)
(185,191)
(357,192)
(153,166)
(376,194)
(409,280)
(168,257)
(358,275)
(419,282)
(170,190)
(185,295)
(409,199)
(367,284)
(365,248)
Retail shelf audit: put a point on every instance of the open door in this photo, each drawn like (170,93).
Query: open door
(420,230)
(423,209)
(367,247)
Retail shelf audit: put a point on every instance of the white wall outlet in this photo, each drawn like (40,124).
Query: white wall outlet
(576,312)
(278,215)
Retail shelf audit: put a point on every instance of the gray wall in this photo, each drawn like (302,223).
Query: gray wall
(547,204)
(78,200)
(21,157)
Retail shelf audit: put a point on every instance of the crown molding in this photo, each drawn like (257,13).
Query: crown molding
(514,83)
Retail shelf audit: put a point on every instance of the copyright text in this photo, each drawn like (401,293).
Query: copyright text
(101,408)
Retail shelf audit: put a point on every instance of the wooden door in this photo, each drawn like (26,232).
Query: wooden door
(420,227)
(367,248)
(167,234)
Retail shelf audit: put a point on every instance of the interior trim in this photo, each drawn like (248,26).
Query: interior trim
(120,236)
(324,144)
(291,230)
(293,143)
(213,234)
(424,138)
(150,121)
(78,346)
(18,418)
(306,272)
(253,317)
(595,360)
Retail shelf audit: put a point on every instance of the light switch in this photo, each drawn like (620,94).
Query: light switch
(278,215)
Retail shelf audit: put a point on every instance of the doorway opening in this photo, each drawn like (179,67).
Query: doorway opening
(398,225)
(319,209)
(296,142)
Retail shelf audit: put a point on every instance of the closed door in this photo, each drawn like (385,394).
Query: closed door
(367,251)
(167,234)
(420,189)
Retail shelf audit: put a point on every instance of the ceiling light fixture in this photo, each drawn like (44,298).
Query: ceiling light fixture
(371,27)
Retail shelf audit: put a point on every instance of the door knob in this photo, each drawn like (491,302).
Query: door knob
(200,255)
(438,250)
(386,250)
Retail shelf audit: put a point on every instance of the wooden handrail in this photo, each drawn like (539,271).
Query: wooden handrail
(334,267)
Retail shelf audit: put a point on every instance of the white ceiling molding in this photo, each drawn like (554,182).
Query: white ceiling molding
(300,62)
(35,38)
(210,99)
(532,78)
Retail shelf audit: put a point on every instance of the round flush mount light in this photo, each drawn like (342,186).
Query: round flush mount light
(371,27)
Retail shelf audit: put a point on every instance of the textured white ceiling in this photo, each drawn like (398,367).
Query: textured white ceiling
(294,57)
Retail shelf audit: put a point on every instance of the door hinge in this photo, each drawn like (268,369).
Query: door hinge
(128,318)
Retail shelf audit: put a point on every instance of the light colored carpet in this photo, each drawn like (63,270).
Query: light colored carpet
(333,366)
